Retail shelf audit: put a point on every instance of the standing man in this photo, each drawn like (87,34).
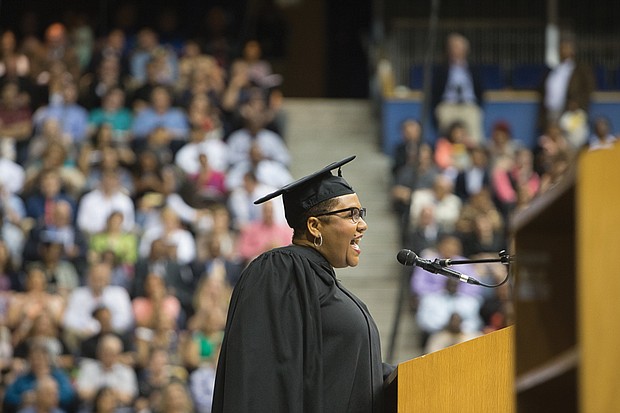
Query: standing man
(457,90)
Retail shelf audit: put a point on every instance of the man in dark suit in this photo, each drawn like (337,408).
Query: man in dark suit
(456,92)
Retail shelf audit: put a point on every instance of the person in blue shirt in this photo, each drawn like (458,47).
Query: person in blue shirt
(22,389)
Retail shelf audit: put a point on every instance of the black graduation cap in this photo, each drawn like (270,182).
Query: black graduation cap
(306,192)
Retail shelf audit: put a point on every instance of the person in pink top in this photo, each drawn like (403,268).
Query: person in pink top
(260,236)
(158,299)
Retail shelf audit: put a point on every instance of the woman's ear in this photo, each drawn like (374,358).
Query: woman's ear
(313,225)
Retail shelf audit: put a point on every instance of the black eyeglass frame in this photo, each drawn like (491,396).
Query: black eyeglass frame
(361,214)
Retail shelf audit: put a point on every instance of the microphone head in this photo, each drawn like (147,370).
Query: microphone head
(406,257)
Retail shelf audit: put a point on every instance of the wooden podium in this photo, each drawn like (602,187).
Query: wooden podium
(562,354)
(475,376)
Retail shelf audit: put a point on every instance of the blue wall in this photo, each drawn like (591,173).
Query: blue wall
(521,114)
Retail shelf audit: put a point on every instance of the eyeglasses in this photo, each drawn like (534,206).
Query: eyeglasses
(355,213)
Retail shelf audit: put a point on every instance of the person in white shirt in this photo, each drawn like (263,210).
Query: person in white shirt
(436,308)
(170,230)
(78,318)
(267,171)
(97,205)
(271,144)
(107,371)
(209,143)
(241,202)
(445,204)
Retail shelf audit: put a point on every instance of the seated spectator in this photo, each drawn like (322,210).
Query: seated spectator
(209,143)
(424,283)
(484,238)
(160,115)
(140,95)
(173,195)
(40,205)
(267,171)
(241,202)
(501,143)
(78,318)
(176,398)
(240,141)
(202,93)
(15,115)
(9,277)
(157,299)
(49,133)
(549,144)
(480,204)
(106,371)
(96,206)
(35,300)
(59,48)
(43,329)
(45,398)
(446,205)
(601,138)
(147,49)
(407,150)
(178,279)
(450,335)
(174,235)
(106,401)
(207,331)
(215,263)
(163,334)
(61,274)
(451,154)
(475,177)
(88,346)
(424,233)
(112,45)
(154,377)
(20,392)
(60,229)
(123,244)
(202,384)
(208,183)
(10,54)
(260,236)
(13,236)
(418,173)
(147,176)
(510,176)
(220,234)
(56,156)
(73,117)
(114,113)
(212,294)
(107,157)
(436,308)
(558,165)
(97,85)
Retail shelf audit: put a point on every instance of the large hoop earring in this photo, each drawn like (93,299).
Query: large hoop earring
(318,244)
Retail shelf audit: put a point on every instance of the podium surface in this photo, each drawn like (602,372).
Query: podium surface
(475,376)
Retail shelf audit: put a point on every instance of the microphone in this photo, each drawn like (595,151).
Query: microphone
(409,258)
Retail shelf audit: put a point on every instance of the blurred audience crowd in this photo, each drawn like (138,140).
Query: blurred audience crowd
(455,197)
(128,170)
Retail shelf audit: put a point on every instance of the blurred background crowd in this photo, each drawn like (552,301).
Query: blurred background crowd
(128,170)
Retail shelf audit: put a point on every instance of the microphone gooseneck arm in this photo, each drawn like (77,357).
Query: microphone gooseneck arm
(437,266)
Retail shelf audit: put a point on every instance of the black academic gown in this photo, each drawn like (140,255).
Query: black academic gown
(297,341)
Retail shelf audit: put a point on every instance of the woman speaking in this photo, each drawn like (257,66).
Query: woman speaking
(296,341)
